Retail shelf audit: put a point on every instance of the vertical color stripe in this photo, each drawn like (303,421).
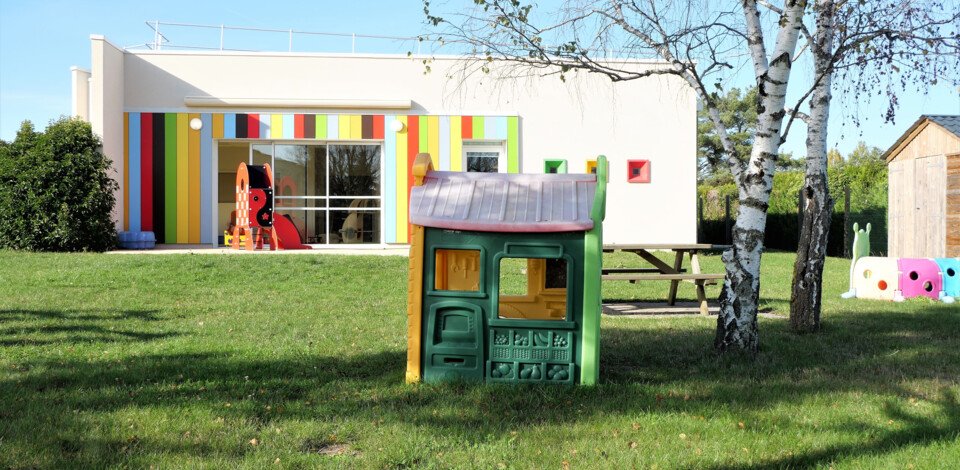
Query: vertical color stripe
(356,127)
(404,144)
(309,123)
(366,126)
(193,182)
(183,178)
(134,171)
(344,122)
(207,202)
(321,126)
(242,122)
(333,127)
(478,127)
(413,147)
(265,126)
(146,172)
(229,126)
(467,126)
(170,178)
(159,178)
(276,126)
(501,127)
(490,128)
(433,139)
(456,143)
(253,126)
(287,126)
(217,126)
(424,136)
(378,132)
(513,144)
(444,134)
(389,181)
(298,128)
(125,172)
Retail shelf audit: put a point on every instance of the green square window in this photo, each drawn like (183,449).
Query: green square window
(555,166)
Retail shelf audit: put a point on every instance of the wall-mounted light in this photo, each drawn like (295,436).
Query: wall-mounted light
(196,124)
(396,125)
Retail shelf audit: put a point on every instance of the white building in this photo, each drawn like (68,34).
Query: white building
(341,130)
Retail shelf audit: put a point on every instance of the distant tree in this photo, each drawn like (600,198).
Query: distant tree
(834,158)
(864,154)
(55,192)
(738,114)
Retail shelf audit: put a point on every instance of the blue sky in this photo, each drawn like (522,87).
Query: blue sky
(41,40)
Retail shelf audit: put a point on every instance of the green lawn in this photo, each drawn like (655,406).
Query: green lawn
(225,361)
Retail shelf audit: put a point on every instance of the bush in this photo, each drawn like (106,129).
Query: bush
(55,194)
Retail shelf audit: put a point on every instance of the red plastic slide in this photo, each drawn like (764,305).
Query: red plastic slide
(287,235)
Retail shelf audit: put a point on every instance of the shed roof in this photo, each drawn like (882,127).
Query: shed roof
(949,122)
(504,202)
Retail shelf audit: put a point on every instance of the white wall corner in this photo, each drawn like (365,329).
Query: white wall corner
(80,93)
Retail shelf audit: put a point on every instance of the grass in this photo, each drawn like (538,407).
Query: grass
(170,361)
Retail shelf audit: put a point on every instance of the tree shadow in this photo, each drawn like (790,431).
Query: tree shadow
(23,327)
(855,353)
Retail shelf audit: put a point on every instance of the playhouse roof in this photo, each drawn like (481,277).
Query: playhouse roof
(498,202)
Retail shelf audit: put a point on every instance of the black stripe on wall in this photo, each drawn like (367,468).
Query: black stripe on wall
(241,126)
(159,125)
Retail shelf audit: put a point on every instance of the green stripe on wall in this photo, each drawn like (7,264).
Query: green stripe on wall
(513,144)
(321,126)
(424,136)
(478,127)
(170,177)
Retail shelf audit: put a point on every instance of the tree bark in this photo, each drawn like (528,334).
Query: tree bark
(805,299)
(740,295)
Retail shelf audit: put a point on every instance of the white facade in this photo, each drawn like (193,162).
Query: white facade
(577,119)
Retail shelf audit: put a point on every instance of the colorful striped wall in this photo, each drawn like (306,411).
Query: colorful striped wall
(170,167)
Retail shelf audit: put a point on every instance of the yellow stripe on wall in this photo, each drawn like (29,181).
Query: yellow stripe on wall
(456,143)
(402,181)
(126,171)
(193,168)
(433,139)
(183,193)
(356,127)
(217,125)
(343,126)
(276,126)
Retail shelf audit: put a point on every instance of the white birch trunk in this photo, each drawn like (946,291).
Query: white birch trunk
(805,300)
(740,295)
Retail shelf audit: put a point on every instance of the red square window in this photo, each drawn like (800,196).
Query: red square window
(638,171)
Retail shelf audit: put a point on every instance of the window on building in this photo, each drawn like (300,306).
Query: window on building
(532,288)
(483,157)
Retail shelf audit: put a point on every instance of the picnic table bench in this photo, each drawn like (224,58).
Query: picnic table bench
(661,271)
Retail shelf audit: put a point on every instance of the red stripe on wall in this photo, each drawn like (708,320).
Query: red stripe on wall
(253,126)
(146,172)
(413,148)
(378,126)
(466,127)
(298,126)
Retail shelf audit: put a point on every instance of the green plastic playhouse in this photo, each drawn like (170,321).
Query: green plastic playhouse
(505,276)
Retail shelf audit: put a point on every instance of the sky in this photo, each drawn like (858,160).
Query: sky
(41,39)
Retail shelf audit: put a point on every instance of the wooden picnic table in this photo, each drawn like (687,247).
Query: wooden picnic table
(661,271)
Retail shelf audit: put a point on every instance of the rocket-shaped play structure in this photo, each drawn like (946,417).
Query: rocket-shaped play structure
(255,217)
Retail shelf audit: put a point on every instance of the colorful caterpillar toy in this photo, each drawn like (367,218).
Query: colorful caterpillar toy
(898,279)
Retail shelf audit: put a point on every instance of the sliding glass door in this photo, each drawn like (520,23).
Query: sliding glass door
(331,192)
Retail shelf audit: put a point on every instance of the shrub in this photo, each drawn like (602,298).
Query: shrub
(55,194)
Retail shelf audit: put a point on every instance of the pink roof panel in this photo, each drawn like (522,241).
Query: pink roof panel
(498,202)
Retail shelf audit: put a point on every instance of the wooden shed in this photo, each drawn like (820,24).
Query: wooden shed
(924,190)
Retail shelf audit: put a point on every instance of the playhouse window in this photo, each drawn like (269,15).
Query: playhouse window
(532,288)
(457,270)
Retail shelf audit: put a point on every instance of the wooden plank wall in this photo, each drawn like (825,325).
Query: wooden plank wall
(953,205)
(923,201)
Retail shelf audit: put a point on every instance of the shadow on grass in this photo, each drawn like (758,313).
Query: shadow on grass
(47,327)
(48,405)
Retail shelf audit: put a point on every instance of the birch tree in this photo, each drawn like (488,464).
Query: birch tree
(886,42)
(697,42)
